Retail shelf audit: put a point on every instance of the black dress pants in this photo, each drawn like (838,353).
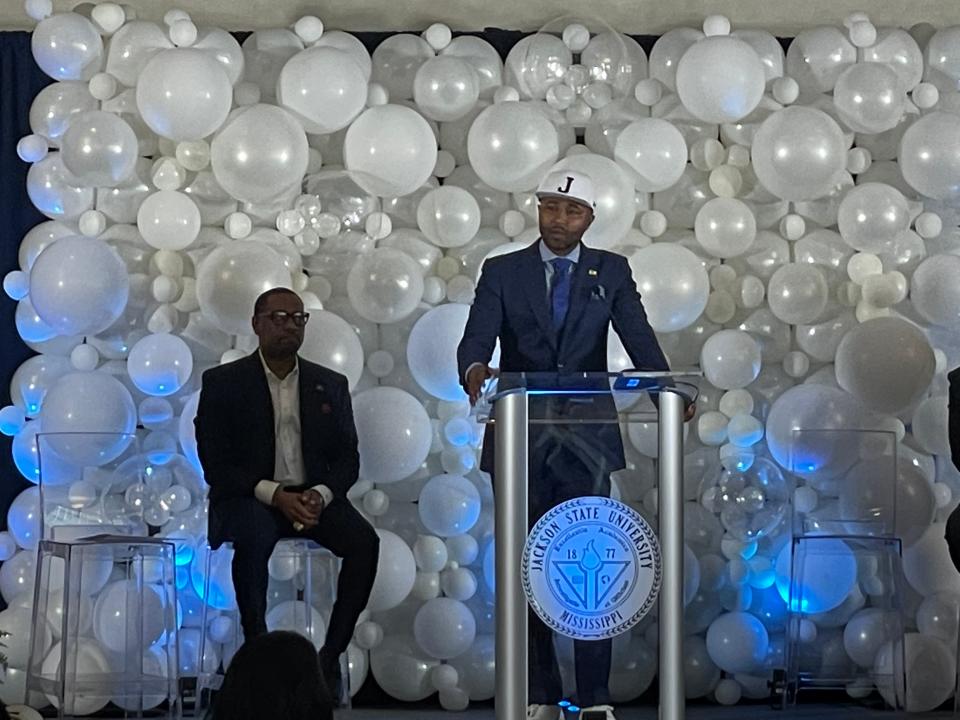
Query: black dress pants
(255,528)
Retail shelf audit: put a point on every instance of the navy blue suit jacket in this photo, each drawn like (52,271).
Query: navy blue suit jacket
(511,305)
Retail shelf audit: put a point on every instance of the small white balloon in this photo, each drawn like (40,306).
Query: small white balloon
(438,36)
(309,28)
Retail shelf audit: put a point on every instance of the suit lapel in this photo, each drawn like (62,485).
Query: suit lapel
(579,291)
(534,282)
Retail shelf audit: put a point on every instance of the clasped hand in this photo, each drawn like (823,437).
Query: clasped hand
(300,508)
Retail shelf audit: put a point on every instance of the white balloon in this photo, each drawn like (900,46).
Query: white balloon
(260,154)
(160,364)
(446,88)
(183,94)
(673,285)
(390,149)
(444,628)
(396,572)
(293,615)
(169,220)
(385,286)
(887,363)
(96,414)
(512,146)
(730,359)
(327,106)
(653,152)
(79,286)
(449,505)
(332,342)
(394,432)
(67,46)
(720,79)
(100,148)
(230,279)
(127,619)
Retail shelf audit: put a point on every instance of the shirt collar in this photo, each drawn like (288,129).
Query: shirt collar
(270,374)
(546,254)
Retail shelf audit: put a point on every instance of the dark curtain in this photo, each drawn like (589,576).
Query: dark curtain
(20,81)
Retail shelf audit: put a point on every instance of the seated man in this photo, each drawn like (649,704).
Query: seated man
(277,442)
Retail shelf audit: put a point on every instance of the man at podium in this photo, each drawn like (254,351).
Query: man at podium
(551,305)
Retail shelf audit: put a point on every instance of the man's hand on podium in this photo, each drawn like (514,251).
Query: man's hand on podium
(476,376)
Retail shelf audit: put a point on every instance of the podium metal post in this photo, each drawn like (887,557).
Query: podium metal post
(511,533)
(670,500)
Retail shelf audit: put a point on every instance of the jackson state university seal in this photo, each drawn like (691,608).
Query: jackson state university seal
(591,568)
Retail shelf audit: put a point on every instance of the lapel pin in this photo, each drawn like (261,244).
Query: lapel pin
(592,272)
(318,388)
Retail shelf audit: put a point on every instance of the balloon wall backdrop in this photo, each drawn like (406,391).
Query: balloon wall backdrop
(790,217)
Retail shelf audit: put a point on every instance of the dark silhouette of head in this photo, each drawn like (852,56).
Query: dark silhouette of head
(274,676)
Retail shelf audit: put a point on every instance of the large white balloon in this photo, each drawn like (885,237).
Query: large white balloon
(446,88)
(402,669)
(887,363)
(673,285)
(332,342)
(385,285)
(720,79)
(330,104)
(230,279)
(79,286)
(54,192)
(169,220)
(929,157)
(799,153)
(934,292)
(67,46)
(184,94)
(394,431)
(444,628)
(449,216)
(99,148)
(396,572)
(820,407)
(390,149)
(128,619)
(85,403)
(160,364)
(512,146)
(449,505)
(737,642)
(260,154)
(653,152)
(432,350)
(730,359)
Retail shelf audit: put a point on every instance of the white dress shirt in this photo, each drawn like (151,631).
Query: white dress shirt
(288,464)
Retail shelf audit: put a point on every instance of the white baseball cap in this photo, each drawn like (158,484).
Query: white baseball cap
(568,184)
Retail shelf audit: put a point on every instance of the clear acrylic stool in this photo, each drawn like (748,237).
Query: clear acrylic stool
(850,534)
(105,627)
(300,596)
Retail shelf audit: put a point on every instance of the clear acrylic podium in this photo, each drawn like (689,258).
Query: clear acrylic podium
(582,413)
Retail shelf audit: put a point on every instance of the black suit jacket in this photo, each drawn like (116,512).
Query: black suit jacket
(511,305)
(235,431)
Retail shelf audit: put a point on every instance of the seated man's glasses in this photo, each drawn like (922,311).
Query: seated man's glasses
(280,317)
